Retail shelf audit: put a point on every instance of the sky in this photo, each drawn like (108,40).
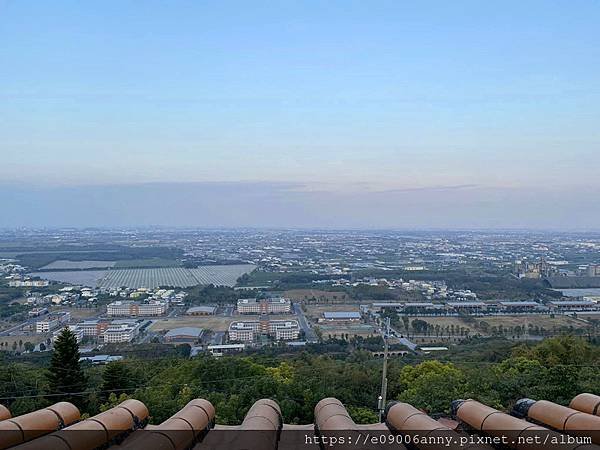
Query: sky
(304,113)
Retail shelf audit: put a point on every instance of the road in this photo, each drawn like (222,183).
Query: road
(308,331)
(30,321)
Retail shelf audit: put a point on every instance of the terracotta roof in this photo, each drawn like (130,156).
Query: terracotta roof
(60,427)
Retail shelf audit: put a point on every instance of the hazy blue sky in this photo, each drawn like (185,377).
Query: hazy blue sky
(420,112)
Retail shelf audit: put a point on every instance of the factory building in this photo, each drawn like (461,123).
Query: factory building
(525,306)
(574,305)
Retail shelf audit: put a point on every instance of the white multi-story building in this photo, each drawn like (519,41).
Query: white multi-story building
(284,330)
(93,328)
(52,321)
(243,331)
(130,308)
(119,308)
(246,331)
(118,332)
(278,305)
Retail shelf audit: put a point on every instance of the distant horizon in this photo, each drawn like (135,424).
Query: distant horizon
(340,114)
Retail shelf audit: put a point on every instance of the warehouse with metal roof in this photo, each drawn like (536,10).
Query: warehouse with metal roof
(184,335)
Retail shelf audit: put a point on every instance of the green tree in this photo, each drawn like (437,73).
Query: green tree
(29,346)
(362,415)
(431,385)
(116,378)
(65,375)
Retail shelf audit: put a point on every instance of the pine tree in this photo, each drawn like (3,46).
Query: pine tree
(65,375)
(115,378)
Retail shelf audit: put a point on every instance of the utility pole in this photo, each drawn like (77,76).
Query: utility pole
(383,395)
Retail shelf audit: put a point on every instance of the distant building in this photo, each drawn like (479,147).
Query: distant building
(52,321)
(574,305)
(101,359)
(276,305)
(519,306)
(593,270)
(190,335)
(341,316)
(218,350)
(28,283)
(120,331)
(134,309)
(422,308)
(248,331)
(467,306)
(37,312)
(202,311)
(93,328)
(378,306)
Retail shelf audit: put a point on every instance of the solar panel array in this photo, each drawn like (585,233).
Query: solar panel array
(174,276)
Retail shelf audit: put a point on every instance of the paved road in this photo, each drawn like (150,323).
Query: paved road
(308,331)
(31,321)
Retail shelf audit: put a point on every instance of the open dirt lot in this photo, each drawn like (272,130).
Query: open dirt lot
(215,323)
(79,313)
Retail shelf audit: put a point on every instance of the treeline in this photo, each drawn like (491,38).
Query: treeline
(494,372)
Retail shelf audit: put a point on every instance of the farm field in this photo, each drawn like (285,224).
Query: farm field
(63,264)
(225,275)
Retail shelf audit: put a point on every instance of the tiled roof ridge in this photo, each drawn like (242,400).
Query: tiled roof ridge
(58,427)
